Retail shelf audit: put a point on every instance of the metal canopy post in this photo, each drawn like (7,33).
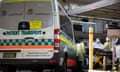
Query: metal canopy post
(90,49)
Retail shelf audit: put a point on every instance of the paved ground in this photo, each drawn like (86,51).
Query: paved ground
(46,70)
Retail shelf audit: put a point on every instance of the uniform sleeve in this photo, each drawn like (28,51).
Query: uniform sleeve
(105,45)
(82,47)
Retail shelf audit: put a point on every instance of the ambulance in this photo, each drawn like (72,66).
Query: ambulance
(32,36)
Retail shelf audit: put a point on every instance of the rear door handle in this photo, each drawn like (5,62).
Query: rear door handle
(29,38)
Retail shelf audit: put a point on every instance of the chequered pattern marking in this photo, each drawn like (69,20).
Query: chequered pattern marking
(15,42)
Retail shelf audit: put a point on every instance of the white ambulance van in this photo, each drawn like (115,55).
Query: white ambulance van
(31,35)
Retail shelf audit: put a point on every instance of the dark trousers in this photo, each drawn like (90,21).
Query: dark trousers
(86,61)
(79,66)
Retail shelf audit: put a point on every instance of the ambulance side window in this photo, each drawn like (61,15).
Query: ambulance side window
(65,23)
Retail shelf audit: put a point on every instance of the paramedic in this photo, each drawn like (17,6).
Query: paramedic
(107,49)
(80,53)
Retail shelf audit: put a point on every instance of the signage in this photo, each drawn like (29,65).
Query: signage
(35,25)
(30,32)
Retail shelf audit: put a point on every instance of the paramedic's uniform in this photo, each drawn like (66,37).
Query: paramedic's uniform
(107,46)
(80,54)
(81,51)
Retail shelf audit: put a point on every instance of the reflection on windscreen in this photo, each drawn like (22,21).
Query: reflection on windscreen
(26,16)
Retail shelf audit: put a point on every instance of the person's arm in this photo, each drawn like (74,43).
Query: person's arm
(105,45)
(83,48)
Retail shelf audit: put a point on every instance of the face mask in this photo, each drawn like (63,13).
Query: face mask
(97,40)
